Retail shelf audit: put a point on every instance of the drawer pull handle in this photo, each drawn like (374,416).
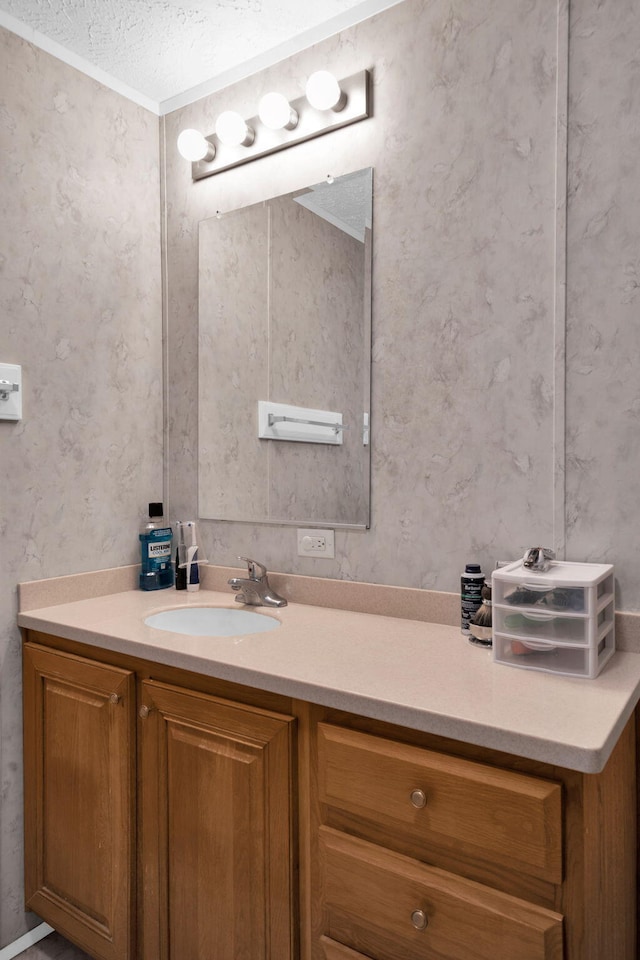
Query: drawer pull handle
(419,920)
(144,712)
(114,698)
(418,799)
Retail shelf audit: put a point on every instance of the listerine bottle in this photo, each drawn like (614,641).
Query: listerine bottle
(156,571)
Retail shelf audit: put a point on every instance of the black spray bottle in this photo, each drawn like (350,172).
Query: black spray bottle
(471,584)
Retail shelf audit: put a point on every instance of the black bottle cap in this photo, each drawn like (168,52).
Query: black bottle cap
(473,568)
(156,510)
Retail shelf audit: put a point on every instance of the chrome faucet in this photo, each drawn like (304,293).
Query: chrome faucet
(254,589)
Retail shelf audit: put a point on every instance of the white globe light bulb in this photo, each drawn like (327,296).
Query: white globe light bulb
(323,91)
(276,112)
(232,130)
(193,146)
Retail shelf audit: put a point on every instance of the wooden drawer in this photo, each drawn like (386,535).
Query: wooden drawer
(373,897)
(332,950)
(427,799)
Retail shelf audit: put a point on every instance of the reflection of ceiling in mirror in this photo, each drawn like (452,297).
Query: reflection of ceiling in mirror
(346,202)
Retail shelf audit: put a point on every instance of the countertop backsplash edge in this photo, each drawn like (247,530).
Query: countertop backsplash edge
(410,603)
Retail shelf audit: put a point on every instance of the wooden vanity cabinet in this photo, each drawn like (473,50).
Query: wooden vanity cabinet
(216,828)
(79,784)
(171,816)
(200,860)
(428,849)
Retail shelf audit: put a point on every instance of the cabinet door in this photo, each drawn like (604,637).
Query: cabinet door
(216,828)
(79,803)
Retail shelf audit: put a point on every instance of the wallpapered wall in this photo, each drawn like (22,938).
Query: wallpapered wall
(505,405)
(506,285)
(462,142)
(80,310)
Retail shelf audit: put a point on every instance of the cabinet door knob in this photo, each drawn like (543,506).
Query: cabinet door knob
(144,712)
(418,799)
(419,919)
(114,698)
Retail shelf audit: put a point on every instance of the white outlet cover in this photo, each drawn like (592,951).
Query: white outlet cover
(307,543)
(11,408)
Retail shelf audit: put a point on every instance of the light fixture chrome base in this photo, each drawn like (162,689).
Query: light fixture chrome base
(311,123)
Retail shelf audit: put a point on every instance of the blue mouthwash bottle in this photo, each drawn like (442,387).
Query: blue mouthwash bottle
(155,537)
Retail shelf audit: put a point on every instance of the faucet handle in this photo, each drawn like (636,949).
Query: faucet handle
(253,567)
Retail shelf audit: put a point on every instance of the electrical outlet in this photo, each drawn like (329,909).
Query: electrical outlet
(316,543)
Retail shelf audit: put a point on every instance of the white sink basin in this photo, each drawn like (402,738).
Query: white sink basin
(211,621)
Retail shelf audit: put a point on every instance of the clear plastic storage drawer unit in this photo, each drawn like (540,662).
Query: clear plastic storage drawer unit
(561,621)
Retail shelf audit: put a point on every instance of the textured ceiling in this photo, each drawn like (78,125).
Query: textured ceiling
(162,48)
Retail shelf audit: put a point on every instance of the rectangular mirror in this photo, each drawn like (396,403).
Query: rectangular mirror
(285,328)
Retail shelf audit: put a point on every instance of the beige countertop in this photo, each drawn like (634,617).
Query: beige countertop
(410,672)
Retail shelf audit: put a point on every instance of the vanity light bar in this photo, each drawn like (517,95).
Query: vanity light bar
(311,123)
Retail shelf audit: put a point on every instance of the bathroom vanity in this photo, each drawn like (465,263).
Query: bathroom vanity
(315,793)
(132,771)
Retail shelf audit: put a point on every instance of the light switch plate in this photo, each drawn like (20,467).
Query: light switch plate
(11,408)
(316,543)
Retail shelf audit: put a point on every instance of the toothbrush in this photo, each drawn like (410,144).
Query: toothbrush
(181,574)
(193,574)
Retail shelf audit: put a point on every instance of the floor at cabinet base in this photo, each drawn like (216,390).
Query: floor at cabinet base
(53,947)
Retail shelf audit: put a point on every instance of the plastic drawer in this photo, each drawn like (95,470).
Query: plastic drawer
(569,660)
(528,623)
(571,588)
